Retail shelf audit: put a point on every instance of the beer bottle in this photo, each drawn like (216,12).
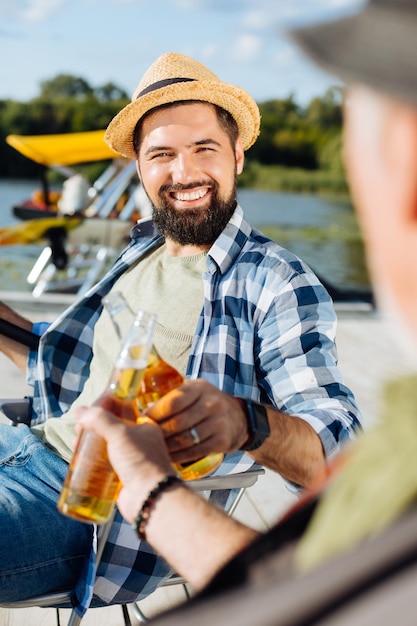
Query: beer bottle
(91,485)
(159,378)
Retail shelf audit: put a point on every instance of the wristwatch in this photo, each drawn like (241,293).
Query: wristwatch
(258,425)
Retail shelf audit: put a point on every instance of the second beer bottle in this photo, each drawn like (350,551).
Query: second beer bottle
(159,378)
(91,485)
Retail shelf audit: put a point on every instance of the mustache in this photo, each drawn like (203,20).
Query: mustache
(179,187)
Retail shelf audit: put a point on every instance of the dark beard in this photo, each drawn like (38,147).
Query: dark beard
(198,227)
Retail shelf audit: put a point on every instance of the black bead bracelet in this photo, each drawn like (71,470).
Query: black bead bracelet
(143,515)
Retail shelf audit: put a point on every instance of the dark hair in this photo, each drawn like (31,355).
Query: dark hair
(225,119)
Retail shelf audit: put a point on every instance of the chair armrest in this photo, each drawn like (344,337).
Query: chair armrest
(239,480)
(18,410)
(26,337)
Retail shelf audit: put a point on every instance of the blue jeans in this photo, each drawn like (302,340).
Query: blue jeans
(40,549)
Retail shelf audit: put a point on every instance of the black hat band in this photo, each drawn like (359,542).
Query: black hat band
(163,83)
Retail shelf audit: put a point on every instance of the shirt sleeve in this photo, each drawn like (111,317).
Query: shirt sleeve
(297,361)
(38,328)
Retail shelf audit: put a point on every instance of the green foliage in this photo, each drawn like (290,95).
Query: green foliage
(293,136)
(65,104)
(110,93)
(326,113)
(65,86)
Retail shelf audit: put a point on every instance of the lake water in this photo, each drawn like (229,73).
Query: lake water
(15,261)
(322,232)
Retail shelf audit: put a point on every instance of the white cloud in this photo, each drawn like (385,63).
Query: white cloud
(40,10)
(284,56)
(341,4)
(209,51)
(117,2)
(256,20)
(188,5)
(276,12)
(246,48)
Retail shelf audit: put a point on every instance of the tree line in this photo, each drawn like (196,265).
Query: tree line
(292,136)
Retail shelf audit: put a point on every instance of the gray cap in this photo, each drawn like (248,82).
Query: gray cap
(376,47)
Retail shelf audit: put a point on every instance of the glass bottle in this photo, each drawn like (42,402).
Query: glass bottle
(91,485)
(159,378)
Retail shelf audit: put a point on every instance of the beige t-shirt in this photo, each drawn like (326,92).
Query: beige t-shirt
(170,287)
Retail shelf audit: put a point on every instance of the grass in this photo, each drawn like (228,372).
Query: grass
(291,179)
(313,233)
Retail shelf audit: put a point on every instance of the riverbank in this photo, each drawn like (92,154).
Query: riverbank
(324,182)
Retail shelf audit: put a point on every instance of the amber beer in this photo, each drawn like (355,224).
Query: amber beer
(159,378)
(91,485)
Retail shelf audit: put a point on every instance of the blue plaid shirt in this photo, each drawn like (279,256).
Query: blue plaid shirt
(266,332)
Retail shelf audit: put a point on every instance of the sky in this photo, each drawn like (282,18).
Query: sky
(242,41)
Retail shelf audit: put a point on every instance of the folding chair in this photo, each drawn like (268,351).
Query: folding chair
(18,411)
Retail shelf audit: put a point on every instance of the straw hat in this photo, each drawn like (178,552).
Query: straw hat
(376,46)
(174,77)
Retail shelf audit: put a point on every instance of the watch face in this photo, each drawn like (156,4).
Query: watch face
(258,424)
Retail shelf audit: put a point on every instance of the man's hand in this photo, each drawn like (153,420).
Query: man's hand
(137,453)
(197,419)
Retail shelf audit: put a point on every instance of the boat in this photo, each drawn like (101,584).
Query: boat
(57,152)
(83,225)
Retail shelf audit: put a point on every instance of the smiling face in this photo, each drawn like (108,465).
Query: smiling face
(188,168)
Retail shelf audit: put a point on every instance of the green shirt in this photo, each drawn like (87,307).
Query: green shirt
(377,485)
(170,287)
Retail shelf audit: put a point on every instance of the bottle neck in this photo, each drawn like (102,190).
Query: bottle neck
(122,316)
(133,358)
(119,312)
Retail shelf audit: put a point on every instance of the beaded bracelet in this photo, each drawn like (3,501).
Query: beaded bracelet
(143,515)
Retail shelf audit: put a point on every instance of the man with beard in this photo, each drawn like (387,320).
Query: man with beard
(246,321)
